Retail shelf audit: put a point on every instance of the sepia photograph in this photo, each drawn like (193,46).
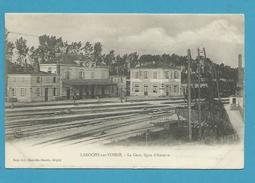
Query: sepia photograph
(162,91)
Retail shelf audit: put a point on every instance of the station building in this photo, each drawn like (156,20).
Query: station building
(31,87)
(152,81)
(81,80)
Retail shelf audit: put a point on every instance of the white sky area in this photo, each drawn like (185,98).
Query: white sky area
(221,34)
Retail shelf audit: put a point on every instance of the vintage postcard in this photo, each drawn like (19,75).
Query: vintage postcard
(124,90)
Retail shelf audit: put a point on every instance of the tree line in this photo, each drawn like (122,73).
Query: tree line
(52,49)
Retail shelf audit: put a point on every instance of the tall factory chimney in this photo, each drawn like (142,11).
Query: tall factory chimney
(240,75)
(240,63)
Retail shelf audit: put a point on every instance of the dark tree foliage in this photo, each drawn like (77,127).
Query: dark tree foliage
(98,52)
(22,50)
(52,49)
(48,48)
(9,47)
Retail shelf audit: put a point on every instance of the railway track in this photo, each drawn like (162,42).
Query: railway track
(85,124)
(38,114)
(24,129)
(104,139)
(87,128)
(100,131)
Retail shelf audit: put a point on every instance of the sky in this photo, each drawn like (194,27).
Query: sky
(222,35)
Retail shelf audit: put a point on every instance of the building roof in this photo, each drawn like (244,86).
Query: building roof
(157,67)
(70,60)
(77,65)
(31,73)
(88,82)
(64,59)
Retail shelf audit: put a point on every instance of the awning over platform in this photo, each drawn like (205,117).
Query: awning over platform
(89,82)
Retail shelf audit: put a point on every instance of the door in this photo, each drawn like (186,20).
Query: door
(68,93)
(80,93)
(234,101)
(167,90)
(103,91)
(145,90)
(46,94)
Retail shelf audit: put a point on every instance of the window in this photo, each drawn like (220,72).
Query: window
(140,74)
(145,74)
(155,89)
(136,75)
(67,75)
(176,75)
(145,90)
(13,92)
(38,79)
(23,92)
(136,88)
(92,75)
(121,80)
(54,79)
(81,75)
(176,90)
(49,70)
(155,75)
(234,101)
(38,92)
(166,74)
(54,91)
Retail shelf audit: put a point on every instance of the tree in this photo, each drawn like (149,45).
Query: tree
(98,52)
(87,51)
(74,49)
(9,47)
(121,64)
(109,58)
(133,60)
(34,55)
(48,47)
(22,51)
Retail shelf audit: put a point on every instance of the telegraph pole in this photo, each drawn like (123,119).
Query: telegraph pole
(199,100)
(59,74)
(189,98)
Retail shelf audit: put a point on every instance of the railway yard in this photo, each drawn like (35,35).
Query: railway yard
(99,122)
(96,122)
(35,132)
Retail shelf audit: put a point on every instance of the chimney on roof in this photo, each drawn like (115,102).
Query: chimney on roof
(36,66)
(25,66)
